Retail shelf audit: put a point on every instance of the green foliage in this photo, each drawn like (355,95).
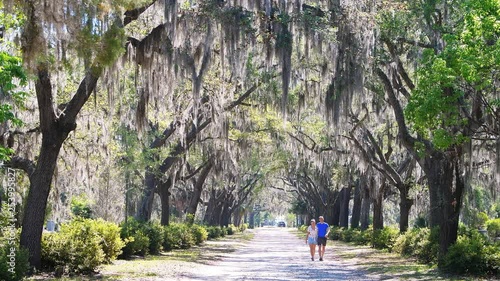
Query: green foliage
(335,232)
(303,228)
(200,233)
(178,236)
(231,229)
(136,241)
(481,219)
(466,65)
(243,227)
(155,232)
(215,232)
(385,238)
(17,259)
(12,76)
(77,247)
(112,46)
(81,206)
(111,243)
(473,255)
(493,227)
(420,222)
(421,243)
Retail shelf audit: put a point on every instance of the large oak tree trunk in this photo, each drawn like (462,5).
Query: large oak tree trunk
(55,130)
(40,184)
(446,187)
(344,208)
(356,207)
(404,207)
(146,204)
(378,216)
(365,208)
(164,192)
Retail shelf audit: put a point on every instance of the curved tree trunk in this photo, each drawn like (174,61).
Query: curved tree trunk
(40,184)
(198,188)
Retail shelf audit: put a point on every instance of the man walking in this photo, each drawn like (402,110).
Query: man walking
(323,231)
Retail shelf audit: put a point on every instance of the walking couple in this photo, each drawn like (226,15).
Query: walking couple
(317,234)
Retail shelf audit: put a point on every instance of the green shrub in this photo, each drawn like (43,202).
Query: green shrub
(81,207)
(406,242)
(17,258)
(200,233)
(231,229)
(155,232)
(427,245)
(111,243)
(363,237)
(76,247)
(493,227)
(215,232)
(178,236)
(243,227)
(335,233)
(349,235)
(472,255)
(136,240)
(385,238)
(303,228)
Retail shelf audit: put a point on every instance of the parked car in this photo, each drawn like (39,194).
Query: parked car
(281,224)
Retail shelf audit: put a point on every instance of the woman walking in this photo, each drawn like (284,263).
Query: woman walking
(312,237)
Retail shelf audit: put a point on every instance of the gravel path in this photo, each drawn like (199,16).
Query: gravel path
(275,254)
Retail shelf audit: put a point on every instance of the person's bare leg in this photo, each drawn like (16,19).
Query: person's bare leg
(320,251)
(312,248)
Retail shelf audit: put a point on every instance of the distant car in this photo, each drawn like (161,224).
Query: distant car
(281,224)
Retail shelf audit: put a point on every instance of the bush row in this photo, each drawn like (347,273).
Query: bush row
(83,244)
(473,253)
(151,238)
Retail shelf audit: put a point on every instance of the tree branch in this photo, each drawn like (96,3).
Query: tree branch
(24,164)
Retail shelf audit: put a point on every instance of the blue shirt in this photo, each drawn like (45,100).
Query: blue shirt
(322,228)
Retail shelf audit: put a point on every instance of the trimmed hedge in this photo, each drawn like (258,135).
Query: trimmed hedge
(81,245)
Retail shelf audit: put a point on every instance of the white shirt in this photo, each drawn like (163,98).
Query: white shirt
(313,232)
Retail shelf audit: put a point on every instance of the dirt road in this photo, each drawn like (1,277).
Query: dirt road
(276,254)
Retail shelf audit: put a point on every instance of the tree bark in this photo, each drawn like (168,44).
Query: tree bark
(446,184)
(344,208)
(40,184)
(336,209)
(356,208)
(378,216)
(164,192)
(365,208)
(198,188)
(405,204)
